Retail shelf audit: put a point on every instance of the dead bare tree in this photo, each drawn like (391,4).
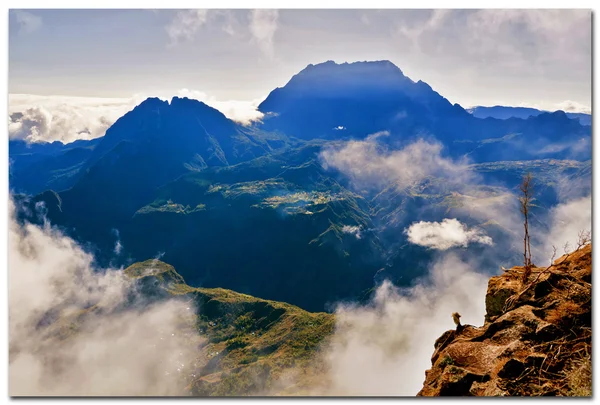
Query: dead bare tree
(525,201)
(583,238)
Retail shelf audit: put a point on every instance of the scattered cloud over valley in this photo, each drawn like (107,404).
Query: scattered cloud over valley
(352,230)
(445,235)
(78,330)
(370,165)
(385,346)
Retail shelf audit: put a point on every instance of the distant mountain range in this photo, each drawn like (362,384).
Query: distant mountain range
(253,209)
(503,113)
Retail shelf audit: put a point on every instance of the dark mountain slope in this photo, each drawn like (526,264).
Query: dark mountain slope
(179,136)
(273,227)
(342,101)
(148,147)
(252,209)
(278,226)
(337,101)
(36,167)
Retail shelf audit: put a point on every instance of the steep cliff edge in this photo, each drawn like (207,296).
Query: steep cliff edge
(536,339)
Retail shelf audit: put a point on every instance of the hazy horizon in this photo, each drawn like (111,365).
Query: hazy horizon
(489,57)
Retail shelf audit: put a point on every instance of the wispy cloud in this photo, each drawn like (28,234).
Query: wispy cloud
(27,21)
(566,221)
(371,165)
(260,30)
(263,25)
(498,34)
(185,24)
(384,347)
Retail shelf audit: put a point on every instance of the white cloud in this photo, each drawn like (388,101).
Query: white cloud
(370,165)
(185,24)
(566,221)
(261,29)
(263,25)
(118,245)
(503,49)
(61,118)
(109,339)
(352,230)
(244,112)
(28,22)
(573,106)
(497,35)
(384,348)
(445,235)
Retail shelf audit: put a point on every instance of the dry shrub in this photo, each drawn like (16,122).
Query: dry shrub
(562,313)
(579,377)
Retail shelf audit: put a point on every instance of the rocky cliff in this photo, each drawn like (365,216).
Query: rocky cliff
(536,339)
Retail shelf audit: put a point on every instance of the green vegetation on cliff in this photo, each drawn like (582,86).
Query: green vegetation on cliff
(250,346)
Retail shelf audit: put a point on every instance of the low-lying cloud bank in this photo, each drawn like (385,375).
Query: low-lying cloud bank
(35,118)
(384,348)
(56,118)
(114,343)
(445,235)
(77,330)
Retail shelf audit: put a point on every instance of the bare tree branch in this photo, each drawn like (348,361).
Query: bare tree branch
(525,201)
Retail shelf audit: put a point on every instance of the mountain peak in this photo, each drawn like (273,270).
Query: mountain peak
(363,97)
(152,102)
(380,69)
(374,64)
(331,80)
(185,101)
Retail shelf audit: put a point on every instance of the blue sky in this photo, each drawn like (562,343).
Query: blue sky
(232,59)
(472,57)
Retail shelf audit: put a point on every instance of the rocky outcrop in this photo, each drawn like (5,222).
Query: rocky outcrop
(536,339)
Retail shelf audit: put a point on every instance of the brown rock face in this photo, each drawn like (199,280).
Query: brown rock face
(536,339)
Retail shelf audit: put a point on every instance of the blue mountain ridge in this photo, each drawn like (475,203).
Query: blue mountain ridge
(252,208)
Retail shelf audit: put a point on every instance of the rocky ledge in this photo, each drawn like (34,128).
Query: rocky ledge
(536,339)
